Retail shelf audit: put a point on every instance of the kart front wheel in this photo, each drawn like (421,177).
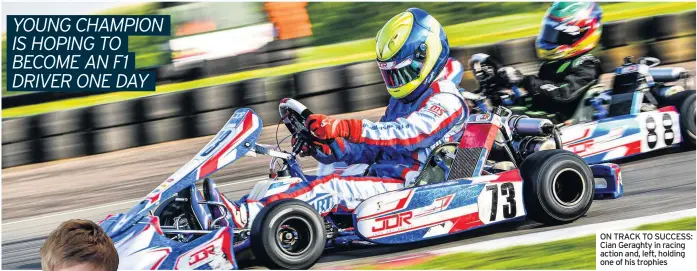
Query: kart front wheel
(288,234)
(558,186)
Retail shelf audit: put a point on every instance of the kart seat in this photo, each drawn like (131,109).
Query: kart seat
(219,213)
(437,165)
(199,212)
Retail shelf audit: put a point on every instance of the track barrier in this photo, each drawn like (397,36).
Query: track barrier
(331,90)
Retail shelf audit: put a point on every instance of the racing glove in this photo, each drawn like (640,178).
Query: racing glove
(324,127)
(313,147)
(510,75)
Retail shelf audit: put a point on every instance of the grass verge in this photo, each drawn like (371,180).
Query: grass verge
(470,33)
(576,253)
(685,224)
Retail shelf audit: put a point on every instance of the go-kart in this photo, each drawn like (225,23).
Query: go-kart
(641,113)
(480,181)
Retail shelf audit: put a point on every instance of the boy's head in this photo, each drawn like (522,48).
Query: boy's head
(412,50)
(79,245)
(569,29)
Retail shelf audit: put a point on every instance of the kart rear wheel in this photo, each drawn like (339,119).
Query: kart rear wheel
(687,121)
(288,234)
(558,186)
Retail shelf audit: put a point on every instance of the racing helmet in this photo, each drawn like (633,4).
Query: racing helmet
(569,29)
(411,50)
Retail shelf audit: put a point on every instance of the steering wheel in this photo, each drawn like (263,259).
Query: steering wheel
(491,83)
(484,68)
(294,114)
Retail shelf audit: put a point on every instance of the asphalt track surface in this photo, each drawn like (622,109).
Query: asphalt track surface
(37,198)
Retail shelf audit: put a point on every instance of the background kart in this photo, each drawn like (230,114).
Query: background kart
(641,113)
(459,189)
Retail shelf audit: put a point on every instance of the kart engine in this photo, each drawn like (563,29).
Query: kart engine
(531,135)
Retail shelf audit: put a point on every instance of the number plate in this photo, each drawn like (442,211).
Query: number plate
(501,201)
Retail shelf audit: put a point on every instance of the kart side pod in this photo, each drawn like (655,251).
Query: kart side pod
(430,211)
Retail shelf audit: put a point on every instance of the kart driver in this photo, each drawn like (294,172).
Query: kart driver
(569,31)
(425,110)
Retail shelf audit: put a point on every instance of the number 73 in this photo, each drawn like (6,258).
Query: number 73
(507,191)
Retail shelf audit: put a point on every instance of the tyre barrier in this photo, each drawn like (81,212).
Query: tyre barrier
(463,54)
(614,57)
(332,90)
(279,87)
(209,123)
(320,80)
(669,26)
(216,97)
(673,50)
(639,29)
(16,130)
(516,51)
(365,97)
(614,35)
(363,74)
(40,97)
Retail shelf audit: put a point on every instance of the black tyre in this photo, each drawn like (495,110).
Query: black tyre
(288,234)
(558,186)
(687,121)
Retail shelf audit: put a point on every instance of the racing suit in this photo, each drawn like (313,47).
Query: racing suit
(560,85)
(395,148)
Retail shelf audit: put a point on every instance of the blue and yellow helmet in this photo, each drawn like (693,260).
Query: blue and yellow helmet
(411,50)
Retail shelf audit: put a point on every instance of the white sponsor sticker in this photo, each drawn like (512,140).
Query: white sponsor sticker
(645,250)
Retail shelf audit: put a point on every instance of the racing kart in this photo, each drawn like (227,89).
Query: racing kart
(642,112)
(484,179)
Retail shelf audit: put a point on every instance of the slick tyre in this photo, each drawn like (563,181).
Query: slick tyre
(687,121)
(558,186)
(288,234)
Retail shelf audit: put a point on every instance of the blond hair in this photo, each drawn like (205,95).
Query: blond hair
(78,241)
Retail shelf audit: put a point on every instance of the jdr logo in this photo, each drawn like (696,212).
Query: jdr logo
(201,255)
(205,253)
(392,221)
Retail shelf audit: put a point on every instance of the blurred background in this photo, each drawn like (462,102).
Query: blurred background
(209,30)
(221,56)
(86,155)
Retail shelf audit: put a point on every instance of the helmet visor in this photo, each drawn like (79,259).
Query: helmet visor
(397,75)
(561,34)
